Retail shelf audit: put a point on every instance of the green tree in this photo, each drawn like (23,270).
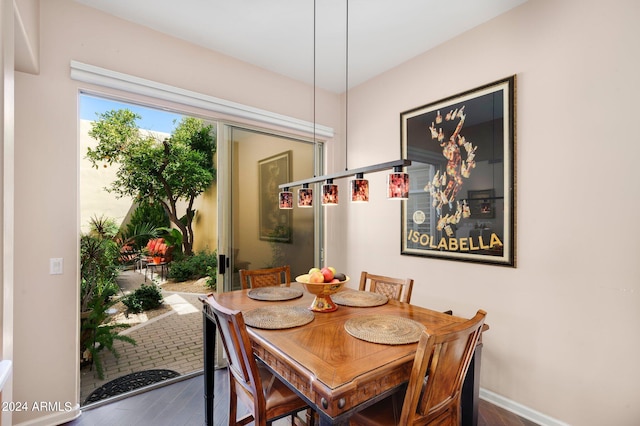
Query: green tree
(178,168)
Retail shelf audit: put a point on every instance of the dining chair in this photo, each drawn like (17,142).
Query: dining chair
(433,393)
(250,381)
(394,288)
(268,277)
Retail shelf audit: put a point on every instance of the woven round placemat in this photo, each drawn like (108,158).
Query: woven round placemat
(360,299)
(278,317)
(384,329)
(274,293)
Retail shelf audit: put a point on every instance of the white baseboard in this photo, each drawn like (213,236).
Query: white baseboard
(519,409)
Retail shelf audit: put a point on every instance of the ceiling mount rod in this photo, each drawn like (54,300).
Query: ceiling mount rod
(338,175)
(346,93)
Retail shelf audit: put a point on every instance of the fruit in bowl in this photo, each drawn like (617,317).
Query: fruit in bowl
(328,274)
(340,276)
(316,277)
(323,283)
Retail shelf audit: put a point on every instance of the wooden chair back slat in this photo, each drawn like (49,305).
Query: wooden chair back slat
(268,277)
(394,288)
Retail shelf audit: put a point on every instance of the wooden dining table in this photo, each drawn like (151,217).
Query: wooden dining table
(336,373)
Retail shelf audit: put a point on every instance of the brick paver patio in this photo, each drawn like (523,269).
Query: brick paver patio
(170,341)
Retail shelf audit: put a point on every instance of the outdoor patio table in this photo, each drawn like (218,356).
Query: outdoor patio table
(152,267)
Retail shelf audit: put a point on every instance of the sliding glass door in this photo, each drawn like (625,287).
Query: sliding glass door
(254,233)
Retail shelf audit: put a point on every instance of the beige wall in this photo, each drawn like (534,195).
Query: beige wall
(556,320)
(205,224)
(563,338)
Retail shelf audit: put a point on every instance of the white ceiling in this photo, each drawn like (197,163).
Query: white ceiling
(278,35)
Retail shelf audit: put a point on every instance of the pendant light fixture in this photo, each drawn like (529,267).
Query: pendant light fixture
(305,196)
(359,189)
(397,181)
(398,184)
(286,199)
(359,185)
(329,193)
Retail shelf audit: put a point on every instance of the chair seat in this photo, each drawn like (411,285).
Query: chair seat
(280,400)
(387,413)
(384,413)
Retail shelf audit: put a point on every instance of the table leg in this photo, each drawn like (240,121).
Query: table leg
(471,390)
(209,330)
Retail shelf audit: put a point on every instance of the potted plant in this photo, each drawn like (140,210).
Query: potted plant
(157,249)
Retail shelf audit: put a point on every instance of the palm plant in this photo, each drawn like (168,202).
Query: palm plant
(100,251)
(96,334)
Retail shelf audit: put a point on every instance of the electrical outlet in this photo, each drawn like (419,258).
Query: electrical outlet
(55,266)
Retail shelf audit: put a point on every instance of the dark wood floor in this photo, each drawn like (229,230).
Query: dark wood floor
(182,403)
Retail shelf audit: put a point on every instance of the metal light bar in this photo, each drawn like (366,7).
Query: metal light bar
(338,175)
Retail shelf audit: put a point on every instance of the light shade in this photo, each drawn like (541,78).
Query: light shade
(329,193)
(398,185)
(285,198)
(305,196)
(359,189)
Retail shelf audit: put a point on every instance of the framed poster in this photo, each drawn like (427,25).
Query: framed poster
(274,223)
(462,197)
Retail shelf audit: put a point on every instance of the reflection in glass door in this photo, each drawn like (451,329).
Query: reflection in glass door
(262,235)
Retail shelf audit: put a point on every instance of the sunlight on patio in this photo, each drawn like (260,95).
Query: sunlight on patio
(180,305)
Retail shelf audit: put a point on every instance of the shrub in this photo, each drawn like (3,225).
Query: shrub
(193,267)
(143,298)
(146,213)
(98,269)
(145,222)
(212,278)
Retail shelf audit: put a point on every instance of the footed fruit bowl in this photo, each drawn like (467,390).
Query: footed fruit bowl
(323,291)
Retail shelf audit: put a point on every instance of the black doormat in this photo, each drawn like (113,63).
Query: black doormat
(128,383)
